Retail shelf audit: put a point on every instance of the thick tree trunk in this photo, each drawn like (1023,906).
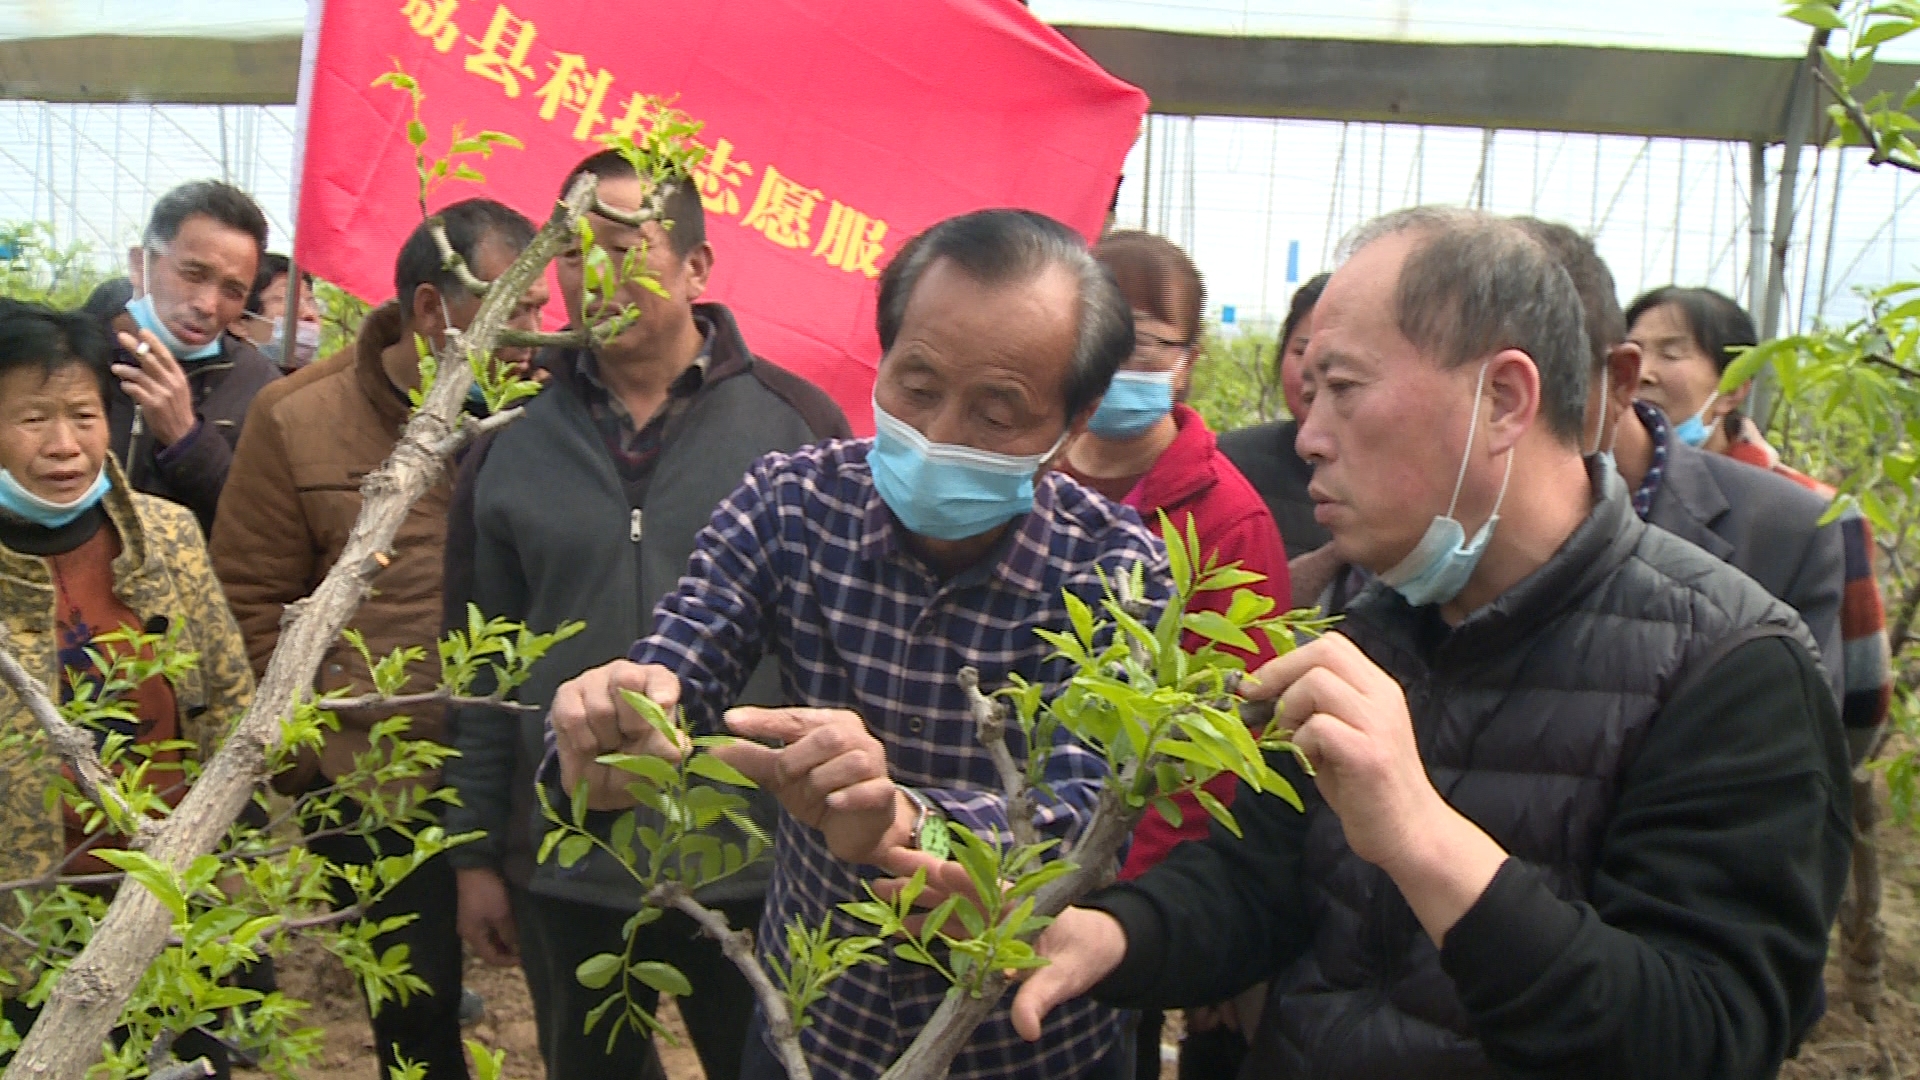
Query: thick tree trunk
(1863,941)
(89,997)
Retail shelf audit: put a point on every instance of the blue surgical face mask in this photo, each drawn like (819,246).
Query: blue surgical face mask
(16,500)
(1440,565)
(306,343)
(946,492)
(1135,401)
(1693,430)
(143,312)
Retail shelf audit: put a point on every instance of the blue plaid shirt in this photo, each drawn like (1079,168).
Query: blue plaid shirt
(804,559)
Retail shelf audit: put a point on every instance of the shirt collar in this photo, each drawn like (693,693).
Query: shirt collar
(684,384)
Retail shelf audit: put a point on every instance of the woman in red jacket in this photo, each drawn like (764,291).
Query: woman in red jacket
(1146,448)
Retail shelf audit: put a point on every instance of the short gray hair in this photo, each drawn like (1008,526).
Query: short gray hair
(1476,284)
(1010,247)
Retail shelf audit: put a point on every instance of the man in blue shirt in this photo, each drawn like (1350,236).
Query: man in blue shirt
(874,570)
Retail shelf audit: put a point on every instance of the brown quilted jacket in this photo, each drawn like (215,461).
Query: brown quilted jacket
(290,502)
(162,574)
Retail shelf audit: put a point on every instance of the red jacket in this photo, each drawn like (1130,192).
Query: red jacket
(1193,479)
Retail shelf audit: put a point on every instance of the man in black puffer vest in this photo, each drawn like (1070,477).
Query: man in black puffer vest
(1579,804)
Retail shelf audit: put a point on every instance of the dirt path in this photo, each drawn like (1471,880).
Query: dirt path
(1842,1047)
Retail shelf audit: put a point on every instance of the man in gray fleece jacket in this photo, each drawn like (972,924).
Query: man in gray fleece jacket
(587,509)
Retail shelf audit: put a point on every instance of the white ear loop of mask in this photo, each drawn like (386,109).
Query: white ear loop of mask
(1473,424)
(1600,423)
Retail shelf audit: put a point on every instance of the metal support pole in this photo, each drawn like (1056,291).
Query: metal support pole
(1799,125)
(1757,226)
(1146,176)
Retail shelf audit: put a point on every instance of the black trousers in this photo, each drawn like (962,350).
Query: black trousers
(426,1029)
(556,935)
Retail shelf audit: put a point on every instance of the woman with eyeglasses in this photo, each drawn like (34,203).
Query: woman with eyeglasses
(1145,447)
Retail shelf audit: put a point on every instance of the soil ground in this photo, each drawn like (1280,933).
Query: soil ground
(1842,1047)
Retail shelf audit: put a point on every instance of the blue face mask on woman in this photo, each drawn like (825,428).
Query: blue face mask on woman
(16,500)
(1440,565)
(1694,430)
(1135,401)
(947,492)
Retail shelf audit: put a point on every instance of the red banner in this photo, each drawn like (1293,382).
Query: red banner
(838,129)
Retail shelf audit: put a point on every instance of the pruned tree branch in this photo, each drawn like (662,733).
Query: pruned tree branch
(74,746)
(441,696)
(1888,363)
(185,1070)
(1880,152)
(87,999)
(990,724)
(652,208)
(738,947)
(450,259)
(540,339)
(954,1022)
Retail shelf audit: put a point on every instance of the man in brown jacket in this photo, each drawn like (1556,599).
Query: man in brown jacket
(291,499)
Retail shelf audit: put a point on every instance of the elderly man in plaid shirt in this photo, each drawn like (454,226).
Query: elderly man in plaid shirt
(874,570)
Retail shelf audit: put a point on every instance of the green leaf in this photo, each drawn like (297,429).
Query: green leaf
(1169,810)
(620,837)
(712,768)
(149,872)
(1881,33)
(1218,628)
(1749,363)
(1081,616)
(1215,810)
(1230,577)
(652,713)
(1178,559)
(574,848)
(1819,15)
(662,977)
(937,919)
(659,772)
(595,972)
(397,79)
(416,132)
(599,1011)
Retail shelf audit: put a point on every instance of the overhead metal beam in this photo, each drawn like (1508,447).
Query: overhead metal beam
(1615,91)
(1527,87)
(183,70)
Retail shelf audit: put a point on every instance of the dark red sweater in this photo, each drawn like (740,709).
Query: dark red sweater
(1193,479)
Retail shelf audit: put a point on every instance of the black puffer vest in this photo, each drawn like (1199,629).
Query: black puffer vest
(1527,713)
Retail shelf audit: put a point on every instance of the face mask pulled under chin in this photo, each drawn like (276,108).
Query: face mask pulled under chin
(148,317)
(1694,430)
(1442,563)
(16,501)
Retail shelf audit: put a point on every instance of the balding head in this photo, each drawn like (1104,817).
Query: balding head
(1474,284)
